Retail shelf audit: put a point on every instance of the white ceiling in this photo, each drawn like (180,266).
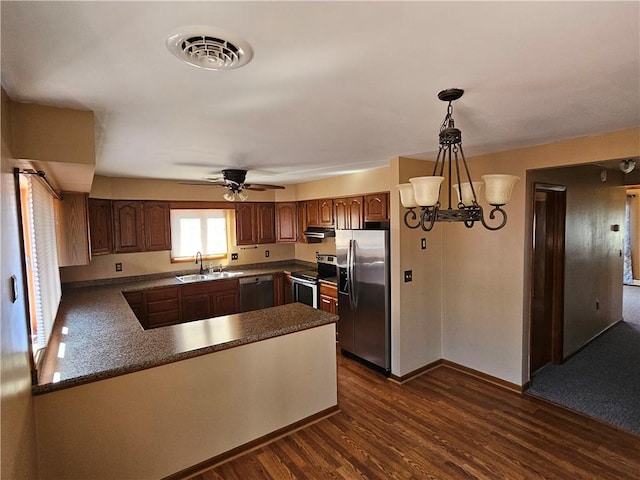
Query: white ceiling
(333,87)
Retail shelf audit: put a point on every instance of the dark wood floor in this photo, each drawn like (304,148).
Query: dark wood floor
(444,424)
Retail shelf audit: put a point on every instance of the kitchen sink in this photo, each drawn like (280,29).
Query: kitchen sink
(201,277)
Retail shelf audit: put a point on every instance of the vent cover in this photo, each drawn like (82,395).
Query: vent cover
(209,48)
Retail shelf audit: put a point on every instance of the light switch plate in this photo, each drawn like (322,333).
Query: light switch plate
(408,276)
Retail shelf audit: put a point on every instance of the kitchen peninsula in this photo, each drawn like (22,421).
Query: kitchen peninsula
(166,399)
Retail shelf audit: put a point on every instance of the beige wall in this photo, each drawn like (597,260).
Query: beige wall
(417,305)
(17,441)
(485,274)
(156,422)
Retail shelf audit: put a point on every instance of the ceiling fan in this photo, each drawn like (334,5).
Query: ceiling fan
(233,180)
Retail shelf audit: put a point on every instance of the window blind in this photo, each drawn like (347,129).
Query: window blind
(43,260)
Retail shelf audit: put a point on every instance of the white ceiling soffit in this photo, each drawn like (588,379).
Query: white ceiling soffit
(332,87)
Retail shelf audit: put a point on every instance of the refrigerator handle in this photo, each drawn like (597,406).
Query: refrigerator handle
(353,294)
(350,274)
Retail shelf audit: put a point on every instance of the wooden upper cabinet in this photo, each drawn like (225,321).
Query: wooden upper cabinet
(255,223)
(376,207)
(72,229)
(266,218)
(157,230)
(245,224)
(302,221)
(127,226)
(286,222)
(100,226)
(320,212)
(325,211)
(348,213)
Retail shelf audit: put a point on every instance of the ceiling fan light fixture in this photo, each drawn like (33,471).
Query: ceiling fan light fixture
(627,166)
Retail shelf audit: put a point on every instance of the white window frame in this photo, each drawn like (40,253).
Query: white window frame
(182,253)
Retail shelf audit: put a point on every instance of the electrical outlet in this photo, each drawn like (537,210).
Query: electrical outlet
(234,256)
(118,267)
(423,244)
(408,276)
(266,253)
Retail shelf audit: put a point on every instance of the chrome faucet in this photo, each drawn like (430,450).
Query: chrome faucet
(201,267)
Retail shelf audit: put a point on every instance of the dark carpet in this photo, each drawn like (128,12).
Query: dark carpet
(602,380)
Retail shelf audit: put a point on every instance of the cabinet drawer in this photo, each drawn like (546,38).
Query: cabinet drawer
(196,288)
(221,285)
(157,294)
(162,318)
(329,290)
(162,306)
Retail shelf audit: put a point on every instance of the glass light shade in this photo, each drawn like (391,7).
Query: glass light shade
(467,193)
(426,190)
(228,196)
(407,198)
(498,188)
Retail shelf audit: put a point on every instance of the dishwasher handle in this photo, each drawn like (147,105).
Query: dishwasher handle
(255,280)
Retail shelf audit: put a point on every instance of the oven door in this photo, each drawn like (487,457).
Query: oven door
(305,292)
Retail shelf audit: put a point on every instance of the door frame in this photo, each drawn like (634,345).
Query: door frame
(558,196)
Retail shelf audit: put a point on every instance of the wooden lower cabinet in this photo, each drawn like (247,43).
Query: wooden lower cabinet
(159,307)
(329,298)
(162,307)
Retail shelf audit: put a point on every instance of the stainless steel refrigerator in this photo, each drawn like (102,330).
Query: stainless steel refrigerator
(364,327)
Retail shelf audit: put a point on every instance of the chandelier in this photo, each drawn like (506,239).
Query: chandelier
(424,192)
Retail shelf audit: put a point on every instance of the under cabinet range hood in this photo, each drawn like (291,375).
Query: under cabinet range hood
(316,234)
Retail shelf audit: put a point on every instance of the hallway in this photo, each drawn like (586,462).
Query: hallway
(603,379)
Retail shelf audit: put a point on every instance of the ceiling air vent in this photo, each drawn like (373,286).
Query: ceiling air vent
(208,48)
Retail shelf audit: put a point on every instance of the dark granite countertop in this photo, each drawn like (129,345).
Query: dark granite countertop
(102,337)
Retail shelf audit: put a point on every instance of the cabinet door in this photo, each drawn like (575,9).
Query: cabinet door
(286,222)
(348,213)
(376,207)
(196,307)
(246,233)
(100,226)
(226,302)
(266,217)
(302,221)
(329,298)
(72,229)
(325,212)
(127,226)
(157,230)
(313,212)
(278,289)
(340,214)
(288,289)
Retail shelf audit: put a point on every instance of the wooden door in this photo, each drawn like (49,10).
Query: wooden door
(157,230)
(286,222)
(547,282)
(127,226)
(100,226)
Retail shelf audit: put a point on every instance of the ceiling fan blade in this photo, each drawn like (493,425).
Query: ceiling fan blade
(255,188)
(204,182)
(263,186)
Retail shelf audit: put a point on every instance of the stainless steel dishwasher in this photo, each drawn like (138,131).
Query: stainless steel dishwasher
(256,292)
